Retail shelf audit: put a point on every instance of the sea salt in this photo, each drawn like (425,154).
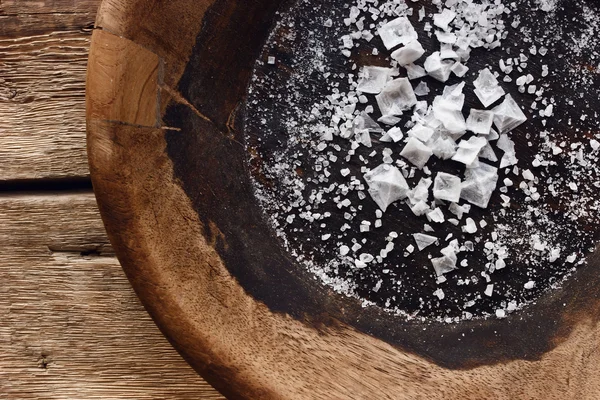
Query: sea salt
(373,79)
(423,241)
(508,115)
(397,96)
(447,187)
(396,32)
(480,121)
(408,54)
(416,152)
(386,185)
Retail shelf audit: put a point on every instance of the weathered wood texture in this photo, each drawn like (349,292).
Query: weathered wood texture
(43,57)
(72,327)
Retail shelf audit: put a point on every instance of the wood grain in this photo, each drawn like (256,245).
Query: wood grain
(71,325)
(172,247)
(43,57)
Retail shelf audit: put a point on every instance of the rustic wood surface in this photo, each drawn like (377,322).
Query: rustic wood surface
(43,57)
(172,241)
(72,327)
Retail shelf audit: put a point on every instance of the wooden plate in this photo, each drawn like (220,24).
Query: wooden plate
(165,83)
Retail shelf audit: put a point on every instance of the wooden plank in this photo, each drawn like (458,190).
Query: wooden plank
(48,6)
(43,57)
(71,325)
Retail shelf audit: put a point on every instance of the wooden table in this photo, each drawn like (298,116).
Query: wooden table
(70,324)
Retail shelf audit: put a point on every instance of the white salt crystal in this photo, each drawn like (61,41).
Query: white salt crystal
(468,150)
(438,69)
(410,248)
(489,290)
(423,241)
(436,216)
(554,254)
(408,54)
(373,79)
(344,250)
(479,184)
(486,88)
(448,111)
(500,314)
(366,257)
(508,115)
(423,133)
(488,153)
(416,152)
(445,37)
(271,60)
(423,90)
(440,294)
(595,144)
(365,226)
(443,147)
(529,285)
(500,264)
(470,226)
(395,134)
(386,185)
(326,236)
(480,121)
(447,51)
(388,119)
(447,187)
(457,210)
(420,192)
(396,32)
(364,137)
(444,18)
(459,69)
(528,175)
(397,96)
(420,208)
(508,146)
(414,71)
(359,264)
(443,265)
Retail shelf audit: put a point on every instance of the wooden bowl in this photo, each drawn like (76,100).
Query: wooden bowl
(165,83)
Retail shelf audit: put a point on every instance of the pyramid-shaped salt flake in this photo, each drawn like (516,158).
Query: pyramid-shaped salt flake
(397,96)
(479,184)
(409,53)
(423,240)
(438,68)
(373,79)
(386,185)
(446,187)
(397,31)
(416,152)
(468,150)
(508,115)
(443,265)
